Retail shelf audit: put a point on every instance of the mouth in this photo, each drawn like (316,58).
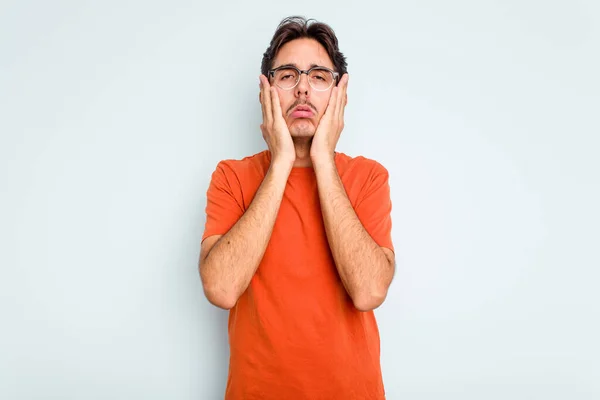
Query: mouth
(302,112)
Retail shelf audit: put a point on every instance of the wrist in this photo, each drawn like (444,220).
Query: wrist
(282,164)
(322,158)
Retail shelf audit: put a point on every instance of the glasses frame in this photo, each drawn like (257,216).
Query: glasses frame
(336,76)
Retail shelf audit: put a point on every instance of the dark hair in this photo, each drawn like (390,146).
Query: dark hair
(297,27)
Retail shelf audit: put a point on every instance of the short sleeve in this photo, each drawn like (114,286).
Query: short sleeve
(224,206)
(374,207)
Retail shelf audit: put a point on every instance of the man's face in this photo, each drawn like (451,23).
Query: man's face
(303,53)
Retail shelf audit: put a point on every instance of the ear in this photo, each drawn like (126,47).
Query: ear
(346,99)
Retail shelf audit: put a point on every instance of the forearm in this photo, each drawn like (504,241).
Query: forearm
(362,265)
(230,265)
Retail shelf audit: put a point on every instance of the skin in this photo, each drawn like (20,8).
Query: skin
(228,262)
(302,53)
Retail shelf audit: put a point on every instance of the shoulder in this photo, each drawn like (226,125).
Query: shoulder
(360,166)
(255,164)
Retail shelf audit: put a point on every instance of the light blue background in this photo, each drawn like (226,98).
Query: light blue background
(115,113)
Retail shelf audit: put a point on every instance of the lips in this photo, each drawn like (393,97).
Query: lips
(302,112)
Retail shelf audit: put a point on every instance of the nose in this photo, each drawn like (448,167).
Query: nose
(303,85)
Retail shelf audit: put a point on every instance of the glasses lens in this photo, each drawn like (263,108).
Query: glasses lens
(286,78)
(320,79)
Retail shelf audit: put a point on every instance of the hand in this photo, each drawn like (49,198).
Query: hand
(274,128)
(331,124)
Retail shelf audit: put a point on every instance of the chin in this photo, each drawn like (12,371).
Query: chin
(302,134)
(302,129)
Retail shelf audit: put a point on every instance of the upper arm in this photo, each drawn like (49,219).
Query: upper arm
(374,207)
(224,203)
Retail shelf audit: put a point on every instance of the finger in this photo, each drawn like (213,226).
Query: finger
(340,97)
(343,98)
(276,104)
(260,96)
(268,117)
(330,110)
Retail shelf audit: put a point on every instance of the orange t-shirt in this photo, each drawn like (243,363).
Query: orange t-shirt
(295,333)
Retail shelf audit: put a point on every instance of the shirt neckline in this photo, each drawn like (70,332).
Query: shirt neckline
(301,170)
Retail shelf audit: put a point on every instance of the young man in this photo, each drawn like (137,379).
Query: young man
(297,243)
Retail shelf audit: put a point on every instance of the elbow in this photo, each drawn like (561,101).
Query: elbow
(225,304)
(219,298)
(216,293)
(369,301)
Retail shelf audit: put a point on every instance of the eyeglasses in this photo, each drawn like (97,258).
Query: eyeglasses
(287,77)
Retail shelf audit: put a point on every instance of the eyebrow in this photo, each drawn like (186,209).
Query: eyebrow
(296,65)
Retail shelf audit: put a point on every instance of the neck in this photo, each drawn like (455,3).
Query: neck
(302,146)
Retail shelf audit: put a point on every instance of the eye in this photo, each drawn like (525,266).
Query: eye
(320,75)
